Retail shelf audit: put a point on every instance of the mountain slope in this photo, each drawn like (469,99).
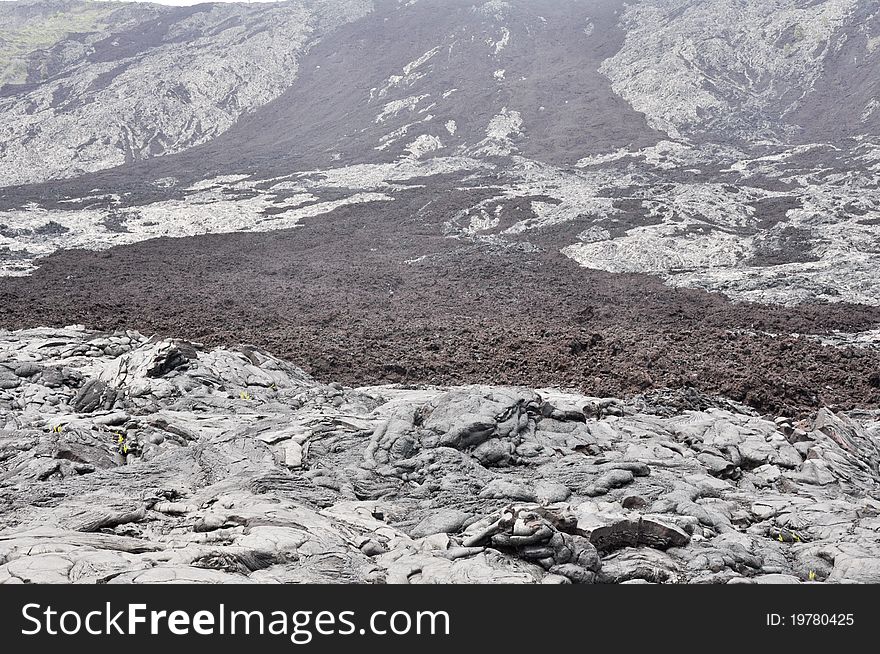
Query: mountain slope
(730,70)
(124,83)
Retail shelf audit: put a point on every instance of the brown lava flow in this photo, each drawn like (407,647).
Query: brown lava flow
(341,297)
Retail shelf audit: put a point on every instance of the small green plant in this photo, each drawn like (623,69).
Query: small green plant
(812,575)
(57,429)
(124,446)
(245,396)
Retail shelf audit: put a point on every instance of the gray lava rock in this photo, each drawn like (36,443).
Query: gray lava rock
(608,481)
(172,464)
(28,369)
(443,521)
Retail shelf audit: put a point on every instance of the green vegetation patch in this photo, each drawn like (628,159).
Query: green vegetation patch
(18,40)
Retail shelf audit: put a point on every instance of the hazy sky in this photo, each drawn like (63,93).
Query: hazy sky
(178,2)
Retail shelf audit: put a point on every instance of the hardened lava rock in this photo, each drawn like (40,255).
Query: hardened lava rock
(127,459)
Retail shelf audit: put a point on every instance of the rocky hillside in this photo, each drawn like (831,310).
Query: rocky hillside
(729,146)
(723,70)
(86,86)
(128,459)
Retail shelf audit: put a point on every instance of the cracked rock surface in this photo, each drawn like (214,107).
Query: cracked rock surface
(127,459)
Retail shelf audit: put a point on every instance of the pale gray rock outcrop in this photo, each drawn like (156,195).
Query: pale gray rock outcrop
(103,84)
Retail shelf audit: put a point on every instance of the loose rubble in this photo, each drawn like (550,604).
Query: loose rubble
(128,459)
